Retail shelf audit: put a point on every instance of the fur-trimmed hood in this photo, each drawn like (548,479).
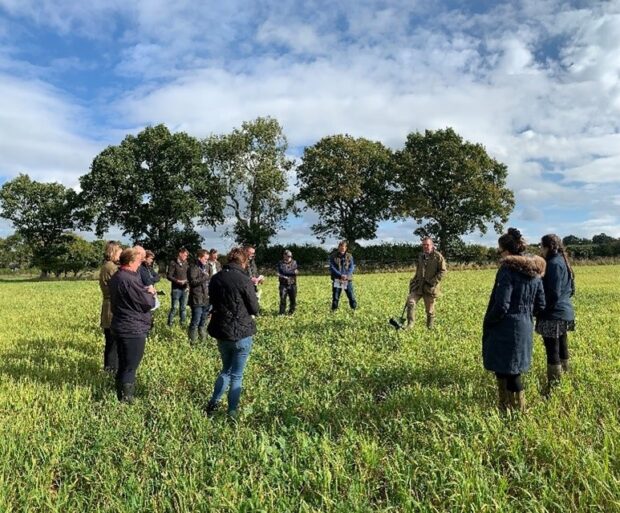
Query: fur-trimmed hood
(530,265)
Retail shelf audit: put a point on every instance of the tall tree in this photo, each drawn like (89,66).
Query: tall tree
(154,186)
(41,213)
(450,186)
(347,182)
(252,163)
(15,252)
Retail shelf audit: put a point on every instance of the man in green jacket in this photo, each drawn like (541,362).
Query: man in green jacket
(425,283)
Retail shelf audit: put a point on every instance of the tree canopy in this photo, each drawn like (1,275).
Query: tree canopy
(450,186)
(347,182)
(252,164)
(154,186)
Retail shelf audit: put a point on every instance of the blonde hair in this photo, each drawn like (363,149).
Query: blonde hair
(111,248)
(130,255)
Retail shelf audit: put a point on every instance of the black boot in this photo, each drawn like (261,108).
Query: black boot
(119,390)
(211,408)
(127,393)
(203,333)
(554,374)
(565,366)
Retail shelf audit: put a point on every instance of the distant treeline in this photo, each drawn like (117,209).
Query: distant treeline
(77,256)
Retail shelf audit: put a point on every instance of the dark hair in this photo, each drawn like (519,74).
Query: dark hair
(237,256)
(554,244)
(343,243)
(212,251)
(149,254)
(513,242)
(201,252)
(183,249)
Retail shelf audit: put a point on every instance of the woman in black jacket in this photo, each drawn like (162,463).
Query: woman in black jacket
(234,303)
(508,326)
(558,317)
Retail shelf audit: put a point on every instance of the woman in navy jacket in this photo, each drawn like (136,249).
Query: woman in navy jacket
(558,317)
(508,326)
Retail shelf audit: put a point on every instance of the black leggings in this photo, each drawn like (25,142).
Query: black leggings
(130,353)
(513,381)
(557,349)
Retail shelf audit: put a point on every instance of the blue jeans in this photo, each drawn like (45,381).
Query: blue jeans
(234,357)
(179,300)
(200,313)
(336,291)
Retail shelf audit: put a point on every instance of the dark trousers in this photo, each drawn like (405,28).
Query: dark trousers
(289,291)
(513,381)
(130,353)
(557,349)
(336,291)
(110,351)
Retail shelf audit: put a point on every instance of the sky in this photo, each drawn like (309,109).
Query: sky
(536,82)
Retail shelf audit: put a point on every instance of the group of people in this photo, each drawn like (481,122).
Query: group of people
(528,288)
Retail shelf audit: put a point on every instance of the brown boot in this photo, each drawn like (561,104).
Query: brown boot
(517,401)
(565,366)
(430,320)
(410,317)
(503,399)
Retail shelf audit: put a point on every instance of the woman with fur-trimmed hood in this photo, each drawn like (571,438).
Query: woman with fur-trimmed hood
(508,328)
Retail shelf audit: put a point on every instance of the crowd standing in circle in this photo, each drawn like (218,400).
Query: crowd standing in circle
(530,294)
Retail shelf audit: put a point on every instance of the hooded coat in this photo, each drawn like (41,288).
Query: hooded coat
(507,331)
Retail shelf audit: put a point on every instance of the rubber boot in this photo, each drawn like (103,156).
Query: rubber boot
(430,320)
(212,408)
(119,390)
(202,331)
(554,374)
(410,317)
(503,398)
(517,401)
(127,392)
(193,336)
(565,366)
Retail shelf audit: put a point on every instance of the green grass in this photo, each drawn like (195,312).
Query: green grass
(340,412)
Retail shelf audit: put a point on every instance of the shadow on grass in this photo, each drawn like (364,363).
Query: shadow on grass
(56,363)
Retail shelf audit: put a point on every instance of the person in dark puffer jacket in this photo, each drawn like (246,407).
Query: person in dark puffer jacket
(558,317)
(234,303)
(132,303)
(508,327)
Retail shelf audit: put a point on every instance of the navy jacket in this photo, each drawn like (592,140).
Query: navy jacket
(131,304)
(508,328)
(233,301)
(559,288)
(148,275)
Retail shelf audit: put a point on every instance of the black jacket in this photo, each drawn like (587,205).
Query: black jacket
(131,304)
(234,301)
(198,284)
(177,271)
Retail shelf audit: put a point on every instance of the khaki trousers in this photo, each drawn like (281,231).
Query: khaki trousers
(429,301)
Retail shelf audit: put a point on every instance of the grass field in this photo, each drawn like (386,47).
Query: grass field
(340,412)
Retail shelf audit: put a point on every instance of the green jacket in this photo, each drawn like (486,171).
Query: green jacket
(108,269)
(429,272)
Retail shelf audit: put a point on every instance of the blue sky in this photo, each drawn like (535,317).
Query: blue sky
(536,82)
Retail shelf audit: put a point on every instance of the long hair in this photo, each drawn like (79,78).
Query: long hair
(513,242)
(555,245)
(111,248)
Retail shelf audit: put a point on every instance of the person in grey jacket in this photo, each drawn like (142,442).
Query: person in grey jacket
(199,296)
(287,277)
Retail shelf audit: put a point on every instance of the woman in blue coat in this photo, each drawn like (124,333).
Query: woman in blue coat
(508,326)
(558,317)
